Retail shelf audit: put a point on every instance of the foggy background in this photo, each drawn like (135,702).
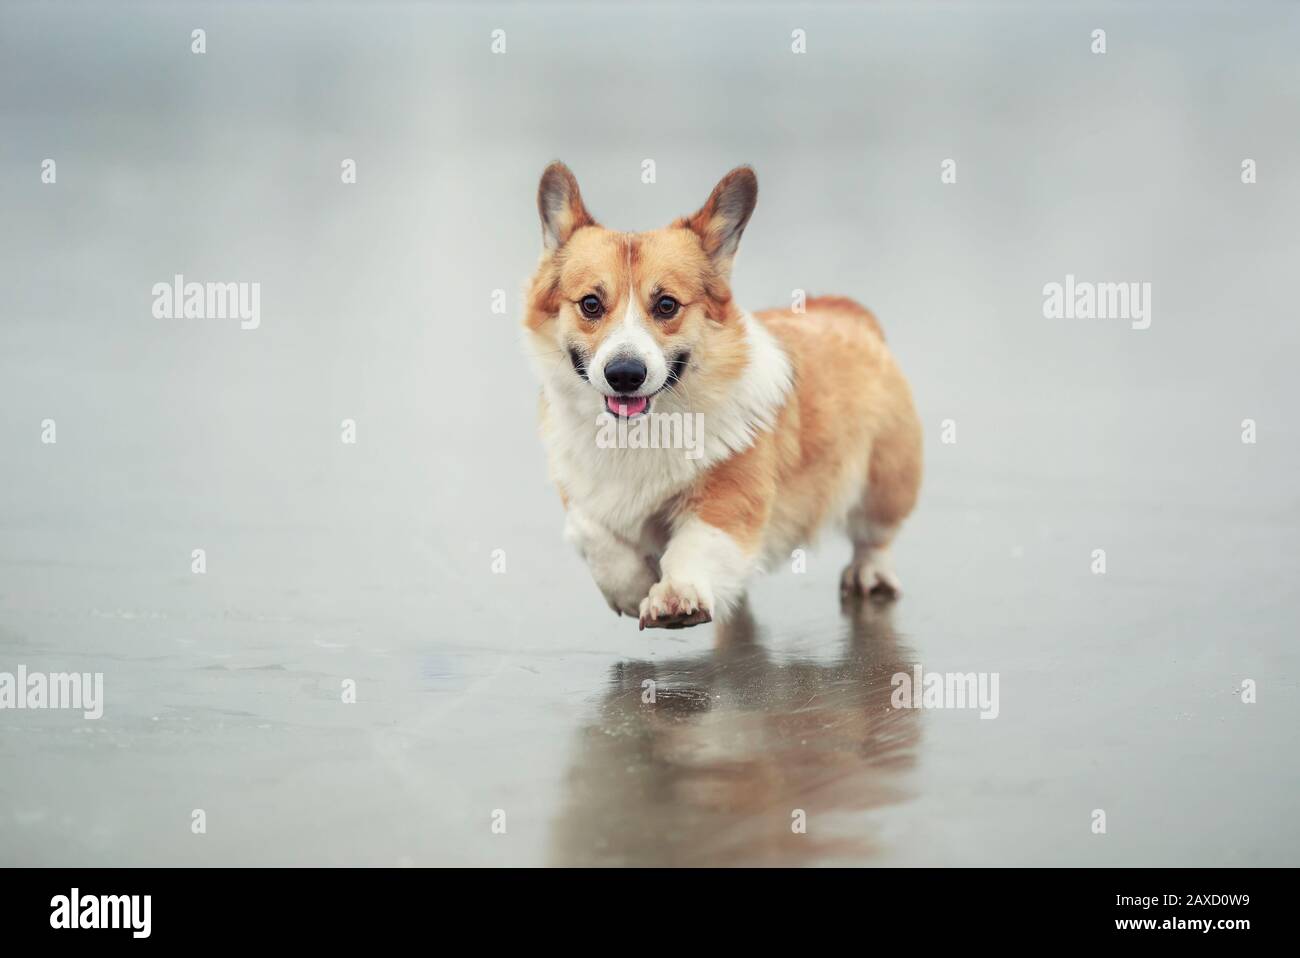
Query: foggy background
(372,561)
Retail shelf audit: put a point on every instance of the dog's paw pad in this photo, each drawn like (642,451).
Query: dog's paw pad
(674,605)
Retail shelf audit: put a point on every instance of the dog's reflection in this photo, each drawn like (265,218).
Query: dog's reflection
(710,760)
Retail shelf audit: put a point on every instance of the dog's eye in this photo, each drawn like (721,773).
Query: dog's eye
(591,307)
(667,307)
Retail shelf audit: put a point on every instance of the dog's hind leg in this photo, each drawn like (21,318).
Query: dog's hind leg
(893,481)
(871,570)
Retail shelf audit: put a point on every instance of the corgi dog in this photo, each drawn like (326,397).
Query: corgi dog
(805,419)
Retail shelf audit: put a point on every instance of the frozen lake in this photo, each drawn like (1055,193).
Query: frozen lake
(332,566)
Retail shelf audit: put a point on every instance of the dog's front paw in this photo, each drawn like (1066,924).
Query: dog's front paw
(676,605)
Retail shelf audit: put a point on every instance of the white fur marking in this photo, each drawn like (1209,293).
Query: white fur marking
(631,338)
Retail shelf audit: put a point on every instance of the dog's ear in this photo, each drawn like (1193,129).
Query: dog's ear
(721,220)
(560,206)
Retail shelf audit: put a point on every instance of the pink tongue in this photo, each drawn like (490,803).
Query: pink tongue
(630,405)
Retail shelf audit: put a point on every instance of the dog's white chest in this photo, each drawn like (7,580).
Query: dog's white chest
(621,488)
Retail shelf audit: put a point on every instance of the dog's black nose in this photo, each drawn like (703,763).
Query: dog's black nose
(625,375)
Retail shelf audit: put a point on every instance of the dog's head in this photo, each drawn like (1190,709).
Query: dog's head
(623,320)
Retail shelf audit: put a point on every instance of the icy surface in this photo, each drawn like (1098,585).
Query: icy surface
(372,562)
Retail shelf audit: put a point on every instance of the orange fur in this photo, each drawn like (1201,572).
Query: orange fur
(857,399)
